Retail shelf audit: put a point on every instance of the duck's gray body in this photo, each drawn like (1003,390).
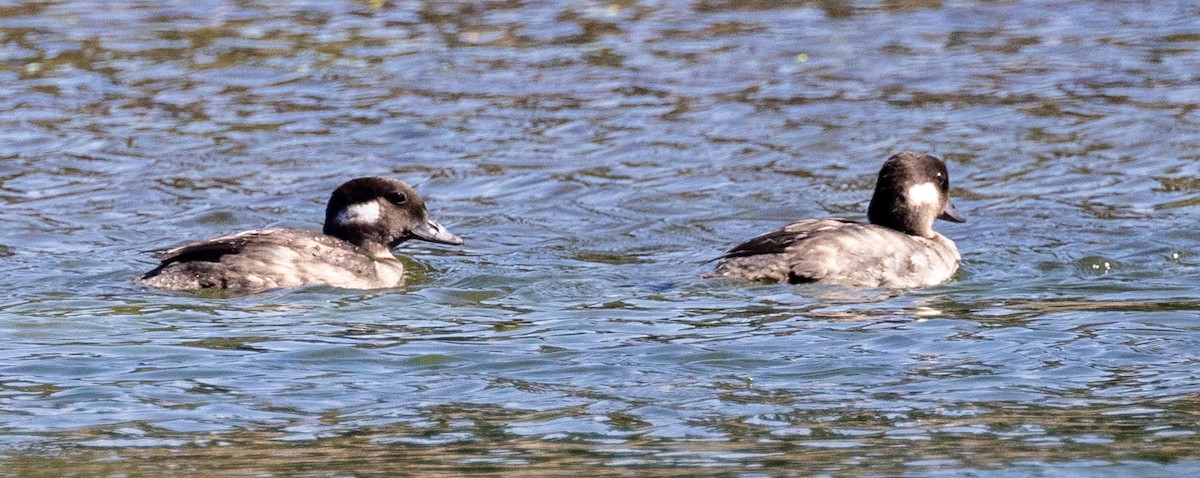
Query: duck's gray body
(364,219)
(273,258)
(838,251)
(898,249)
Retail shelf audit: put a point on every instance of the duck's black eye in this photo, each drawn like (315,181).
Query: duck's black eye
(396,198)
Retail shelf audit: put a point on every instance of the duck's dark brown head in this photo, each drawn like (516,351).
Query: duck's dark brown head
(378,213)
(912,191)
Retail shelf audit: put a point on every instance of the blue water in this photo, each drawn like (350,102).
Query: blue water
(594,155)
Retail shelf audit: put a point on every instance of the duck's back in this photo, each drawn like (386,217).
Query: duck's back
(271,258)
(844,252)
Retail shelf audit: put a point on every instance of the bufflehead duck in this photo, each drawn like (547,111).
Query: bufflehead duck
(364,219)
(898,249)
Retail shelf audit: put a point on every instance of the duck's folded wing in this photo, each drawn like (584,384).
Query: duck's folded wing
(778,241)
(211,250)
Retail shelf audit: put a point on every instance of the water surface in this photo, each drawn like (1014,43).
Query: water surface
(594,155)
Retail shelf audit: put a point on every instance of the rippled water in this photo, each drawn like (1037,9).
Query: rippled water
(594,155)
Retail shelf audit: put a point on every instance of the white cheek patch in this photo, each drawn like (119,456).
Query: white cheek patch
(365,212)
(924,193)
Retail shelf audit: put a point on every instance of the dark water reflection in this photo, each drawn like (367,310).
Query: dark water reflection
(594,155)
